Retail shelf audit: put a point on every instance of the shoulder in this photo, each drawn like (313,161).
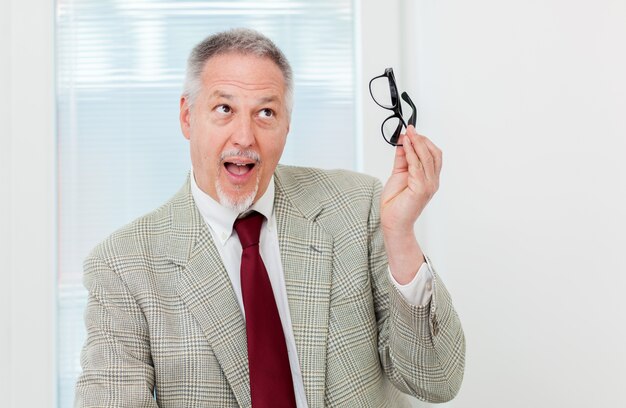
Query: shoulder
(327,182)
(335,198)
(147,235)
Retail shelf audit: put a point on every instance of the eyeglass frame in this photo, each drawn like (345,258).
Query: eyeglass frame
(395,107)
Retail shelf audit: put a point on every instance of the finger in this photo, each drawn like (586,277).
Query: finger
(415,167)
(425,157)
(400,163)
(437,155)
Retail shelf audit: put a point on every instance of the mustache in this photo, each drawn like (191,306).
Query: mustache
(248,154)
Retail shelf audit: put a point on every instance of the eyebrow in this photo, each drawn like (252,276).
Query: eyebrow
(221,94)
(268,99)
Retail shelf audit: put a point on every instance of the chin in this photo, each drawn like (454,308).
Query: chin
(238,202)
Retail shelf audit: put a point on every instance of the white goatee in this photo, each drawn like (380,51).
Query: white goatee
(237,204)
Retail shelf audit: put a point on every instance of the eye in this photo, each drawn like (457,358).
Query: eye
(223,109)
(266,113)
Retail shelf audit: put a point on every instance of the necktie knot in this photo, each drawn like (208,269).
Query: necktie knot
(249,229)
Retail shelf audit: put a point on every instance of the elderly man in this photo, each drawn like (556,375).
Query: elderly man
(266,285)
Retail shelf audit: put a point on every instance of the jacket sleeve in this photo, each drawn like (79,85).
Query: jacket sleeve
(117,368)
(421,348)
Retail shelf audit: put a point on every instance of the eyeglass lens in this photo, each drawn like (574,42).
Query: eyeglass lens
(391,129)
(381,92)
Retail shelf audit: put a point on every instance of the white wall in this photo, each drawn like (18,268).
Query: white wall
(528,101)
(380,48)
(27,204)
(388,38)
(5,175)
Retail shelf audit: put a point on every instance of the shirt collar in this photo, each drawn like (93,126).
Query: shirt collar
(221,219)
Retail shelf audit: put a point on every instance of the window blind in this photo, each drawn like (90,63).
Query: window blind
(120,67)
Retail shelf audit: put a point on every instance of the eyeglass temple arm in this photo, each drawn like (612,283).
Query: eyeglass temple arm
(413,118)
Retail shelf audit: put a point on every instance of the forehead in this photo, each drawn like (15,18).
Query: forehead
(242,73)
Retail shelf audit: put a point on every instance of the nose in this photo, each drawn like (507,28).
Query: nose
(243,133)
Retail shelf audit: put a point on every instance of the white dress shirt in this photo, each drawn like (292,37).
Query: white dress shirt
(220,222)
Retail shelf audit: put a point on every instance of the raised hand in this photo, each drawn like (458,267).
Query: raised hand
(413,182)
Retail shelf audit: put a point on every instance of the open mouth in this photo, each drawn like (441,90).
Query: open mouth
(238,168)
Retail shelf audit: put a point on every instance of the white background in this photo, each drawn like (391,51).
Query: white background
(527,100)
(27,204)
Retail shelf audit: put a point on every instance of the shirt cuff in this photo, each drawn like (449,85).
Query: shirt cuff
(419,291)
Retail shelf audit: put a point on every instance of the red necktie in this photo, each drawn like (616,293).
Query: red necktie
(271,384)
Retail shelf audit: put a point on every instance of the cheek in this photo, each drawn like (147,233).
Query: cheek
(273,152)
(279,141)
(281,146)
(202,156)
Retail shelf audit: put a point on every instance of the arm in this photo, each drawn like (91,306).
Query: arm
(422,348)
(116,359)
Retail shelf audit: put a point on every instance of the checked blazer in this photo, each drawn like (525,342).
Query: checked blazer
(164,327)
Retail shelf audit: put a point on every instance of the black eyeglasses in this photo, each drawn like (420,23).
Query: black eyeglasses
(384,91)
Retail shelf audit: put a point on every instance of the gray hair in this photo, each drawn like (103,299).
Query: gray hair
(238,40)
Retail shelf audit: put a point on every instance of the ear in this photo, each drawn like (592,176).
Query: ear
(185,117)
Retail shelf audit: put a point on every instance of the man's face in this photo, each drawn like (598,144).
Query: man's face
(237,127)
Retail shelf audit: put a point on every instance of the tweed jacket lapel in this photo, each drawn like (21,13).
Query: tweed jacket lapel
(306,254)
(206,290)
